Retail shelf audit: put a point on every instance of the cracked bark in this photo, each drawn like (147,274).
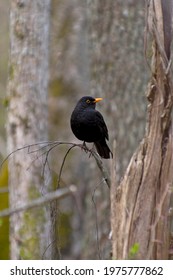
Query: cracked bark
(140,204)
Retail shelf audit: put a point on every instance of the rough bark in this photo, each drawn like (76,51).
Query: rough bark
(30,231)
(140,204)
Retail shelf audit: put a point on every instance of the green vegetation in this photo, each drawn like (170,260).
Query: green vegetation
(133,251)
(4,222)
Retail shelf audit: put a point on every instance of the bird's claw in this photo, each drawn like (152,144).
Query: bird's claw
(86,149)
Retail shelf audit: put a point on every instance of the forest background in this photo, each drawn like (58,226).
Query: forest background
(96,48)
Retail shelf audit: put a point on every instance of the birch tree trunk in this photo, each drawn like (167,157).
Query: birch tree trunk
(140,204)
(27,124)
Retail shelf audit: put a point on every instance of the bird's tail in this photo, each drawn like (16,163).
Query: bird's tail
(103,149)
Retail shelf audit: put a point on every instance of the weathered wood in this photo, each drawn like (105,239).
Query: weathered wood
(139,198)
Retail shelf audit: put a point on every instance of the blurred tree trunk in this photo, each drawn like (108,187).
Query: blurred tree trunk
(118,75)
(140,204)
(118,70)
(30,231)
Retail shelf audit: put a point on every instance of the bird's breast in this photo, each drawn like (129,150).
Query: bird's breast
(84,126)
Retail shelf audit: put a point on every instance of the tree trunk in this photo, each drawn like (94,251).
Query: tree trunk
(115,51)
(140,204)
(27,123)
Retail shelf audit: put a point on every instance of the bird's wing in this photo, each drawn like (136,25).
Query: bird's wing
(100,121)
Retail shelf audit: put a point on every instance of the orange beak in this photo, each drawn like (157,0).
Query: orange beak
(98,99)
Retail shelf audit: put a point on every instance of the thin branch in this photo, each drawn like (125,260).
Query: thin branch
(45,143)
(62,165)
(51,145)
(97,226)
(58,194)
(103,170)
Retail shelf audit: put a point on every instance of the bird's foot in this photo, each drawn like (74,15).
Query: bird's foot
(84,147)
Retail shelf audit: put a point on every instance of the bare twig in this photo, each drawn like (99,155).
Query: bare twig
(62,165)
(45,144)
(103,170)
(97,226)
(48,146)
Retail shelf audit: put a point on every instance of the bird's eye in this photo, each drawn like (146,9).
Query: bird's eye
(88,101)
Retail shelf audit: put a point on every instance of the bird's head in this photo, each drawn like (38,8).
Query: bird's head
(88,101)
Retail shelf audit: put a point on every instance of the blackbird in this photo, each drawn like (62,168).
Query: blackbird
(88,125)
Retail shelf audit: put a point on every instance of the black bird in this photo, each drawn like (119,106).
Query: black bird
(88,125)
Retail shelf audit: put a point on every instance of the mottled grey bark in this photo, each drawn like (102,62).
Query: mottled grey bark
(30,231)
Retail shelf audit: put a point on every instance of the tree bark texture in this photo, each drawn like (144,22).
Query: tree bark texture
(30,231)
(140,204)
